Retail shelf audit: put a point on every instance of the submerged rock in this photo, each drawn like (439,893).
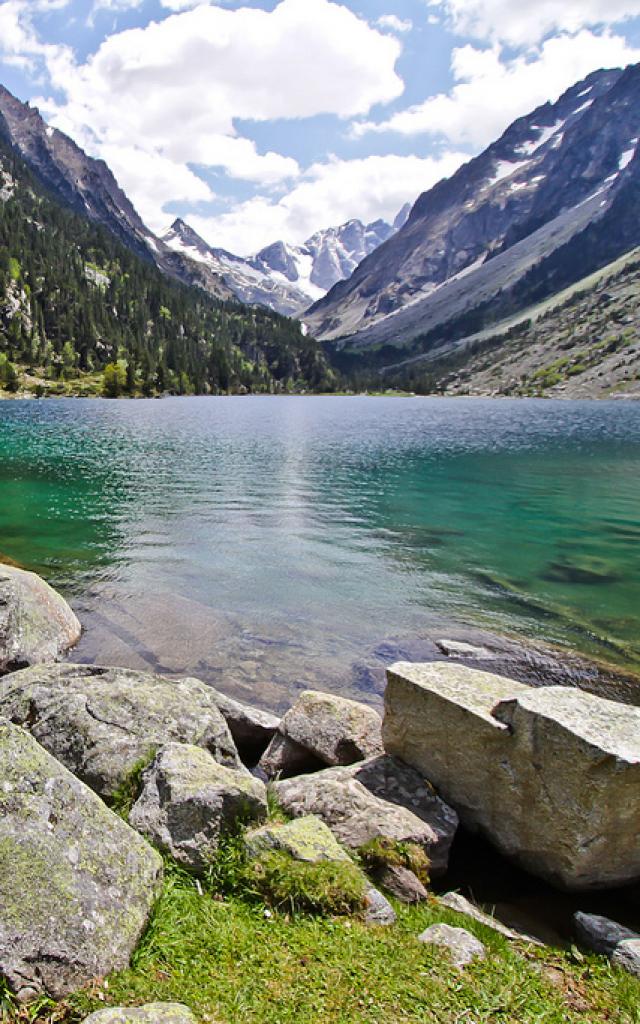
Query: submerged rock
(463,947)
(76,883)
(36,623)
(621,945)
(331,730)
(150,1013)
(550,775)
(188,801)
(101,722)
(380,798)
(306,839)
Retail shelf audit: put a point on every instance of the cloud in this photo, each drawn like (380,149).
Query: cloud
(394,23)
(523,24)
(178,88)
(328,193)
(491,91)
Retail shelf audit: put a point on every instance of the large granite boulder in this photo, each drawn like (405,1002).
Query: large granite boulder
(36,623)
(76,883)
(188,802)
(101,722)
(550,775)
(380,798)
(150,1013)
(252,729)
(322,729)
(620,944)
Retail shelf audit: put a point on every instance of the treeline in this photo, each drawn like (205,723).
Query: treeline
(74,301)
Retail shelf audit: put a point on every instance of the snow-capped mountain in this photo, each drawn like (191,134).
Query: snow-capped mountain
(288,278)
(506,227)
(88,187)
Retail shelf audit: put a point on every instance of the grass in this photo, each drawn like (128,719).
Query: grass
(235,961)
(233,965)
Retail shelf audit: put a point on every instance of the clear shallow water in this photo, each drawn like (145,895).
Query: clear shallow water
(269,543)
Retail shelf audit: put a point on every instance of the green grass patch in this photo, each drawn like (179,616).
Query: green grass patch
(233,965)
(129,789)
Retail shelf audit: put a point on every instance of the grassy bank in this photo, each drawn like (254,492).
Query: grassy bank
(234,962)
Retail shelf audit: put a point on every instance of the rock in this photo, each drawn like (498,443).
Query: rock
(76,883)
(402,883)
(378,910)
(334,730)
(36,623)
(306,839)
(284,757)
(620,944)
(252,729)
(378,798)
(463,947)
(188,801)
(150,1013)
(100,722)
(550,775)
(456,901)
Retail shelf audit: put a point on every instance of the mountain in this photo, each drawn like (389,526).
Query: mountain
(88,187)
(81,312)
(287,278)
(551,201)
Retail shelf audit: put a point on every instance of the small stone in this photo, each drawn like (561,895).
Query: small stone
(307,839)
(378,910)
(150,1013)
(188,801)
(402,883)
(602,935)
(284,757)
(456,901)
(463,947)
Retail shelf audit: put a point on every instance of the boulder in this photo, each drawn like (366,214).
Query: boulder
(620,944)
(101,722)
(332,730)
(150,1013)
(36,623)
(550,775)
(252,729)
(284,757)
(76,883)
(377,798)
(306,839)
(188,801)
(463,947)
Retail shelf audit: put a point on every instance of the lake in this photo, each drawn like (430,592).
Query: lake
(265,544)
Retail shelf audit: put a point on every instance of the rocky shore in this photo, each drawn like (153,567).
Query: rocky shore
(105,771)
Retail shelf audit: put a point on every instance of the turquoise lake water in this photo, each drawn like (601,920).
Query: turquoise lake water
(269,543)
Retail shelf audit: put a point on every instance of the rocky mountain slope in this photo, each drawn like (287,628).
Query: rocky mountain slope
(81,312)
(285,277)
(555,198)
(89,188)
(583,342)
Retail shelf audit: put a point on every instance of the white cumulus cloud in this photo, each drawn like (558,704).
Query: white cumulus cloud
(522,24)
(329,193)
(394,23)
(491,91)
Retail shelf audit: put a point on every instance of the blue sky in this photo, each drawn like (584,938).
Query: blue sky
(269,119)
